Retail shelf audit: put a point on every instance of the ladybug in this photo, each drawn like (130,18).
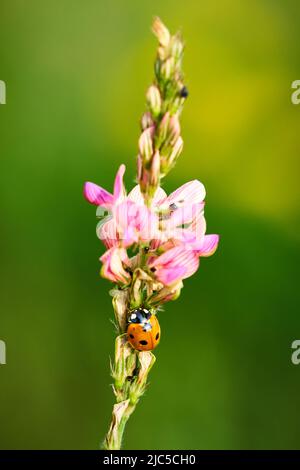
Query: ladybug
(143,332)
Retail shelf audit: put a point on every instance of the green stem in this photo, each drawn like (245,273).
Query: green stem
(130,371)
(114,437)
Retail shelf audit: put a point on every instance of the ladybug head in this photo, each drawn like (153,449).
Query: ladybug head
(139,315)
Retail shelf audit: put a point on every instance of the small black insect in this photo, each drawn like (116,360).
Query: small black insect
(184,92)
(173,207)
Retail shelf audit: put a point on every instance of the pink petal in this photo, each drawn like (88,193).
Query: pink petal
(146,222)
(186,214)
(119,189)
(199,226)
(177,263)
(169,276)
(166,257)
(112,268)
(97,195)
(159,195)
(208,245)
(129,237)
(107,232)
(189,193)
(135,195)
(191,236)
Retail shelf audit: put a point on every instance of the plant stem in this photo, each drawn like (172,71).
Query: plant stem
(120,416)
(130,372)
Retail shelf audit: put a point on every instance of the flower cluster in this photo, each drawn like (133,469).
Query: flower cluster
(166,239)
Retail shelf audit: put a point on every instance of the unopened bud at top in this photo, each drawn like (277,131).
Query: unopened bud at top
(154,100)
(177,47)
(161,32)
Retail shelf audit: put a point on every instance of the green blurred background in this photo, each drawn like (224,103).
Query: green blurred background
(76,74)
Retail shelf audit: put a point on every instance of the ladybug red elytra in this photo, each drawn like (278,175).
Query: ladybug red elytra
(143,332)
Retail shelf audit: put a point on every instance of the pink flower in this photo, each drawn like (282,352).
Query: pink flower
(128,223)
(182,261)
(180,213)
(134,222)
(173,227)
(100,197)
(175,264)
(129,220)
(192,192)
(114,261)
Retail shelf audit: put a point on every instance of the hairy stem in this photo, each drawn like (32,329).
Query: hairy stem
(120,416)
(130,372)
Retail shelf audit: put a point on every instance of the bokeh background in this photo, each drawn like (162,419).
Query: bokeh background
(76,74)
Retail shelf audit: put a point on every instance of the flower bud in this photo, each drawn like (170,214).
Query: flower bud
(146,121)
(174,129)
(163,129)
(145,143)
(155,170)
(177,47)
(162,53)
(154,100)
(139,167)
(161,32)
(167,68)
(177,149)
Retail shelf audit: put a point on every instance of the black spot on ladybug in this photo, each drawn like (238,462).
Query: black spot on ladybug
(131,336)
(143,342)
(157,336)
(184,92)
(153,269)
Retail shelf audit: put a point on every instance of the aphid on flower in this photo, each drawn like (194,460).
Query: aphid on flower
(184,92)
(143,331)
